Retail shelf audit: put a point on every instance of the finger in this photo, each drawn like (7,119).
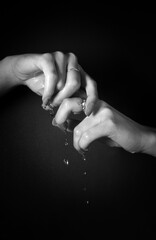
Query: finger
(89,136)
(72,81)
(71,124)
(80,93)
(91,91)
(68,105)
(36,84)
(86,124)
(47,65)
(60,63)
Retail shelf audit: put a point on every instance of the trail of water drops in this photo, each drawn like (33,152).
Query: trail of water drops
(86,201)
(66,144)
(66,161)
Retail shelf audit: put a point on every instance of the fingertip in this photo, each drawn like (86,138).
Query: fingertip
(54,122)
(75,144)
(89,108)
(45,107)
(46,100)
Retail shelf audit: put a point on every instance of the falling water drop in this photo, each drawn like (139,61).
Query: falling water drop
(86,201)
(66,161)
(66,143)
(83,156)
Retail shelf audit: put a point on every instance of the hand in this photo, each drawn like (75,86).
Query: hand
(54,76)
(106,122)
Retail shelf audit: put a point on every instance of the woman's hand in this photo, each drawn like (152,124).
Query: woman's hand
(54,76)
(106,122)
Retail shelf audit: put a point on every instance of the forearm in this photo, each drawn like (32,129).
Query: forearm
(6,79)
(149,141)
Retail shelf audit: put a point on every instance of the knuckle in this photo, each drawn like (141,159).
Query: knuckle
(72,56)
(53,75)
(107,113)
(75,83)
(59,54)
(60,85)
(66,103)
(85,137)
(77,131)
(110,126)
(47,56)
(107,119)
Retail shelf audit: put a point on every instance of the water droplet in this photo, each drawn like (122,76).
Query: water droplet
(85,189)
(85,173)
(66,161)
(83,156)
(66,143)
(87,202)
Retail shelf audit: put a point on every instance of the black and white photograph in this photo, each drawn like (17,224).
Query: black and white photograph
(77,121)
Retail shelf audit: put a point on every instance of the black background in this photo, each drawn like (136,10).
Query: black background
(40,195)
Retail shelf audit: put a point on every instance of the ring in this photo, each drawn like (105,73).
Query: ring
(83,104)
(73,69)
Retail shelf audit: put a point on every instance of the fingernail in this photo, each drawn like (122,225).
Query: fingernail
(44,106)
(46,101)
(54,122)
(54,104)
(51,105)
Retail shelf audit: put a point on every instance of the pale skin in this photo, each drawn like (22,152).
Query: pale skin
(55,78)
(106,122)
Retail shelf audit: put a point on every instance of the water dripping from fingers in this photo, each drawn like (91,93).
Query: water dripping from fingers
(84,158)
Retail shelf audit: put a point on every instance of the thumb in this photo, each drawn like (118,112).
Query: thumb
(36,84)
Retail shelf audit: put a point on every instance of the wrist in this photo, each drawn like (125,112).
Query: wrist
(7,79)
(149,141)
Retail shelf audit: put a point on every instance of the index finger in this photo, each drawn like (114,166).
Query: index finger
(47,65)
(91,91)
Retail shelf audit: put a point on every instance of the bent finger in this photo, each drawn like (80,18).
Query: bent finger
(85,125)
(91,91)
(60,63)
(47,65)
(72,81)
(68,106)
(88,137)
